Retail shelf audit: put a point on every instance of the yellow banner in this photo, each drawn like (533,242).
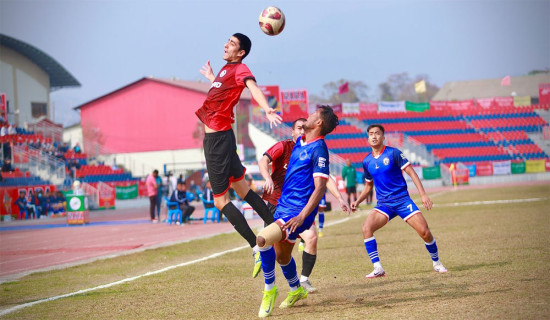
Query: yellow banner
(522,101)
(535,166)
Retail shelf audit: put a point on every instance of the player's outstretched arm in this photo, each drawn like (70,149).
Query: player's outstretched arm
(264,170)
(271,114)
(333,189)
(426,201)
(362,196)
(207,72)
(312,203)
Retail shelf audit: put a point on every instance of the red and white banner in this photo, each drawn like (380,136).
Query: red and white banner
(460,105)
(273,97)
(3,106)
(544,93)
(504,101)
(294,103)
(438,105)
(485,103)
(368,107)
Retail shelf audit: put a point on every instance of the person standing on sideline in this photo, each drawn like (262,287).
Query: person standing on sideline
(350,177)
(152,190)
(160,192)
(384,167)
(304,186)
(224,166)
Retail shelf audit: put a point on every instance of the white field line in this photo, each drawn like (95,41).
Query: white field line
(215,255)
(475,203)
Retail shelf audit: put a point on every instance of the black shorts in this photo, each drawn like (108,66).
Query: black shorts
(222,161)
(351,189)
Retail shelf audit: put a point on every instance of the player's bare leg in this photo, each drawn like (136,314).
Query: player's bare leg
(374,221)
(419,223)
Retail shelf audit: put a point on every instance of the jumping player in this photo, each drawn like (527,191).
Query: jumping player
(304,185)
(383,167)
(279,155)
(224,167)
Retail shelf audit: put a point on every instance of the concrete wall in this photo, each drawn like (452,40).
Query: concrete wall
(24,83)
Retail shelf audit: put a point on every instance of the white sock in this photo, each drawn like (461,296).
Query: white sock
(293,289)
(378,265)
(255,249)
(303,278)
(269,286)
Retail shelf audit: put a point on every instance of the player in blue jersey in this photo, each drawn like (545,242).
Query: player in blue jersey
(384,167)
(304,186)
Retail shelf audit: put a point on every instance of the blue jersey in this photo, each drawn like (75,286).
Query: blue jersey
(307,161)
(386,171)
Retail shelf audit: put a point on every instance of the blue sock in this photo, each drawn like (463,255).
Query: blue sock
(268,264)
(289,271)
(432,249)
(321,219)
(372,249)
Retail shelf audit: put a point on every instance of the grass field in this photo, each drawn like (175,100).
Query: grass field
(497,254)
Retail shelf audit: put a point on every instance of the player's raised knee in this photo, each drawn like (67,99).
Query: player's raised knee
(269,235)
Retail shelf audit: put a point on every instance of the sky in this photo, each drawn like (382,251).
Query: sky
(106,45)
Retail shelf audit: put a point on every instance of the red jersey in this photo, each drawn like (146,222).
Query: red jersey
(279,154)
(225,92)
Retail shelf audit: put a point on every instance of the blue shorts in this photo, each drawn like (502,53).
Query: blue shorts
(291,237)
(405,208)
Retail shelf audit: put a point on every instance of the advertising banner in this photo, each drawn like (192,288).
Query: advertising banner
(504,101)
(544,93)
(522,101)
(417,107)
(350,108)
(3,106)
(485,103)
(518,167)
(502,167)
(431,173)
(273,97)
(547,164)
(438,105)
(532,166)
(368,107)
(391,106)
(460,105)
(294,104)
(107,196)
(77,209)
(484,169)
(128,192)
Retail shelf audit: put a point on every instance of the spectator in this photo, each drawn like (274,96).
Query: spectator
(3,131)
(7,167)
(60,203)
(21,203)
(160,190)
(77,148)
(208,194)
(180,196)
(12,129)
(42,207)
(152,189)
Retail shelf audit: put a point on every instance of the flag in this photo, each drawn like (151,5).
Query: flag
(343,88)
(505,81)
(420,86)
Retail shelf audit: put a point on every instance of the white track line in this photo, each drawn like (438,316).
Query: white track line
(215,255)
(212,256)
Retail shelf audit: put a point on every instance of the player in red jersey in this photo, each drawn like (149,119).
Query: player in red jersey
(279,155)
(224,167)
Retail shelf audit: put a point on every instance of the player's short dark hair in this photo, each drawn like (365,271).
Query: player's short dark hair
(296,121)
(379,126)
(330,119)
(244,43)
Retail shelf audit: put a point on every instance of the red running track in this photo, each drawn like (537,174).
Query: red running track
(38,245)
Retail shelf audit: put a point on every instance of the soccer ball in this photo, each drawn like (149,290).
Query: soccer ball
(272,21)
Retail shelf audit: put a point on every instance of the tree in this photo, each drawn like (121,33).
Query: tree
(357,92)
(400,87)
